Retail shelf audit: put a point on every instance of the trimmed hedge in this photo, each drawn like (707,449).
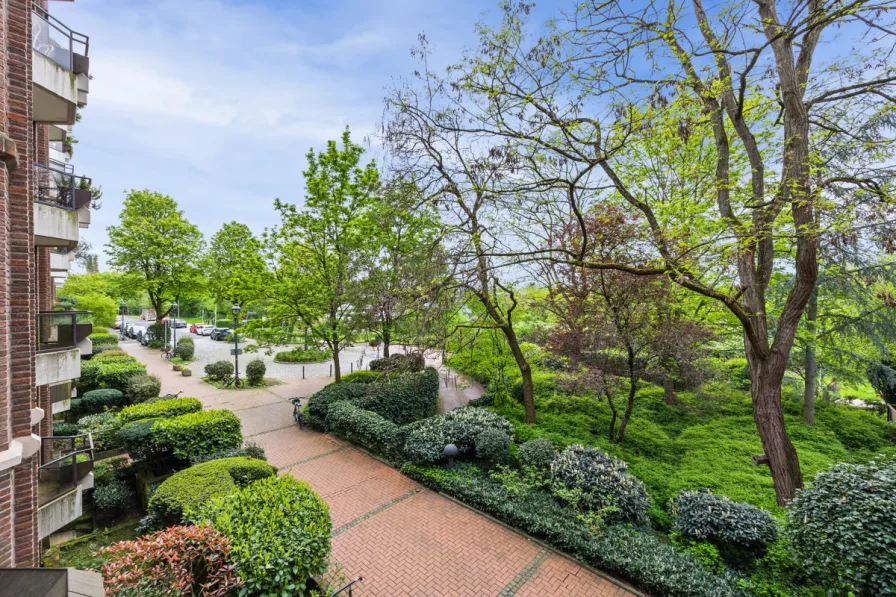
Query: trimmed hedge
(255,371)
(640,557)
(319,403)
(719,519)
(143,387)
(412,362)
(219,369)
(185,349)
(194,434)
(138,439)
(103,338)
(108,354)
(362,376)
(427,439)
(279,529)
(187,490)
(104,427)
(248,451)
(172,407)
(297,355)
(113,372)
(843,528)
(365,428)
(96,401)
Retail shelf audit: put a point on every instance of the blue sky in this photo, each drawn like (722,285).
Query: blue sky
(216,102)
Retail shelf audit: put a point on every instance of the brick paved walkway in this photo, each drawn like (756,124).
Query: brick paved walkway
(403,539)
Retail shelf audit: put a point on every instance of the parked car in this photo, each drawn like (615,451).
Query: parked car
(180,323)
(116,325)
(193,327)
(204,329)
(220,333)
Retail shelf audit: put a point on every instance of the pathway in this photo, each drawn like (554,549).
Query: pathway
(403,539)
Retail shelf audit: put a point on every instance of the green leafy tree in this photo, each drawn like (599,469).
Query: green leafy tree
(156,243)
(234,264)
(317,253)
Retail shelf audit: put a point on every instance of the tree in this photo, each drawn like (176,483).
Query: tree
(720,127)
(317,253)
(403,265)
(234,264)
(616,328)
(156,242)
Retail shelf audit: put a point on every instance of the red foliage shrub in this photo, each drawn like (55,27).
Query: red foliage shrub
(180,561)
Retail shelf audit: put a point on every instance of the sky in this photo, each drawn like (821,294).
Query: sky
(216,102)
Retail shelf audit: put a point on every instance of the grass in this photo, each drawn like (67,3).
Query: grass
(180,361)
(81,553)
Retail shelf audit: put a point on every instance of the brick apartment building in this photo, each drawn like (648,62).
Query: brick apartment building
(43,205)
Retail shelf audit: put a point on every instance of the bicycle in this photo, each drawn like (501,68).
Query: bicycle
(297,412)
(227,381)
(167,354)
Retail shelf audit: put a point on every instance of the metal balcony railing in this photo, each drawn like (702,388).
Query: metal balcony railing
(52,38)
(58,186)
(64,461)
(62,330)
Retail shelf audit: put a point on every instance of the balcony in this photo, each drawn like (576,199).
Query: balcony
(66,470)
(60,69)
(50,582)
(61,200)
(61,397)
(60,262)
(61,336)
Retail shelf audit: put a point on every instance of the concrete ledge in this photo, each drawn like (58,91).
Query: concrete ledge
(8,152)
(55,226)
(57,366)
(55,91)
(60,512)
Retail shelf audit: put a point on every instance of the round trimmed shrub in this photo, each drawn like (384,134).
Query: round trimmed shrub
(537,453)
(62,429)
(143,387)
(427,438)
(113,497)
(493,446)
(843,529)
(279,529)
(97,401)
(604,482)
(217,370)
(186,491)
(255,371)
(195,434)
(185,349)
(719,519)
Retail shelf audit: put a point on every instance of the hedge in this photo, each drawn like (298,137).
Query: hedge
(279,530)
(114,372)
(362,376)
(219,369)
(96,401)
(143,387)
(187,490)
(103,338)
(172,407)
(719,519)
(109,354)
(194,434)
(640,557)
(365,428)
(401,399)
(185,349)
(139,439)
(104,427)
(427,439)
(297,355)
(399,363)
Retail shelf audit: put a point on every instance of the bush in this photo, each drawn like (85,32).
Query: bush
(843,528)
(255,371)
(185,349)
(113,497)
(319,403)
(404,398)
(249,451)
(427,438)
(108,353)
(186,491)
(143,387)
(96,401)
(718,519)
(65,429)
(105,338)
(104,427)
(219,369)
(98,329)
(365,428)
(482,401)
(139,440)
(161,409)
(194,434)
(113,373)
(604,482)
(399,363)
(155,344)
(640,557)
(493,446)
(538,453)
(297,355)
(362,376)
(280,532)
(182,560)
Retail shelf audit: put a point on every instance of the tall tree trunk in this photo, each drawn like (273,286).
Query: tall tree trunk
(811,365)
(767,375)
(337,371)
(525,371)
(387,340)
(609,394)
(629,408)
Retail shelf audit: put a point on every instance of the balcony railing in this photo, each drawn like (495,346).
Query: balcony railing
(52,38)
(58,186)
(64,462)
(62,330)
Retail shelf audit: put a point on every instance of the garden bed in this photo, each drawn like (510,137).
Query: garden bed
(244,383)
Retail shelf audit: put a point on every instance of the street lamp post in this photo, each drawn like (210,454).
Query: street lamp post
(174,328)
(236,346)
(122,307)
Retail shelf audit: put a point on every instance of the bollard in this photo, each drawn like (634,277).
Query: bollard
(331,370)
(351,367)
(303,371)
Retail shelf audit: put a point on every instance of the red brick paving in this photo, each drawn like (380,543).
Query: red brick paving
(422,546)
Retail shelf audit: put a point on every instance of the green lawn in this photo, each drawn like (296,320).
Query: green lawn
(81,553)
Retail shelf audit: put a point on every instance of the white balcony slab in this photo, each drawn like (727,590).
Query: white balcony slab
(56,91)
(57,366)
(55,226)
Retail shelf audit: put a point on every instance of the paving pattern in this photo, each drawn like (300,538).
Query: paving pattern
(403,539)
